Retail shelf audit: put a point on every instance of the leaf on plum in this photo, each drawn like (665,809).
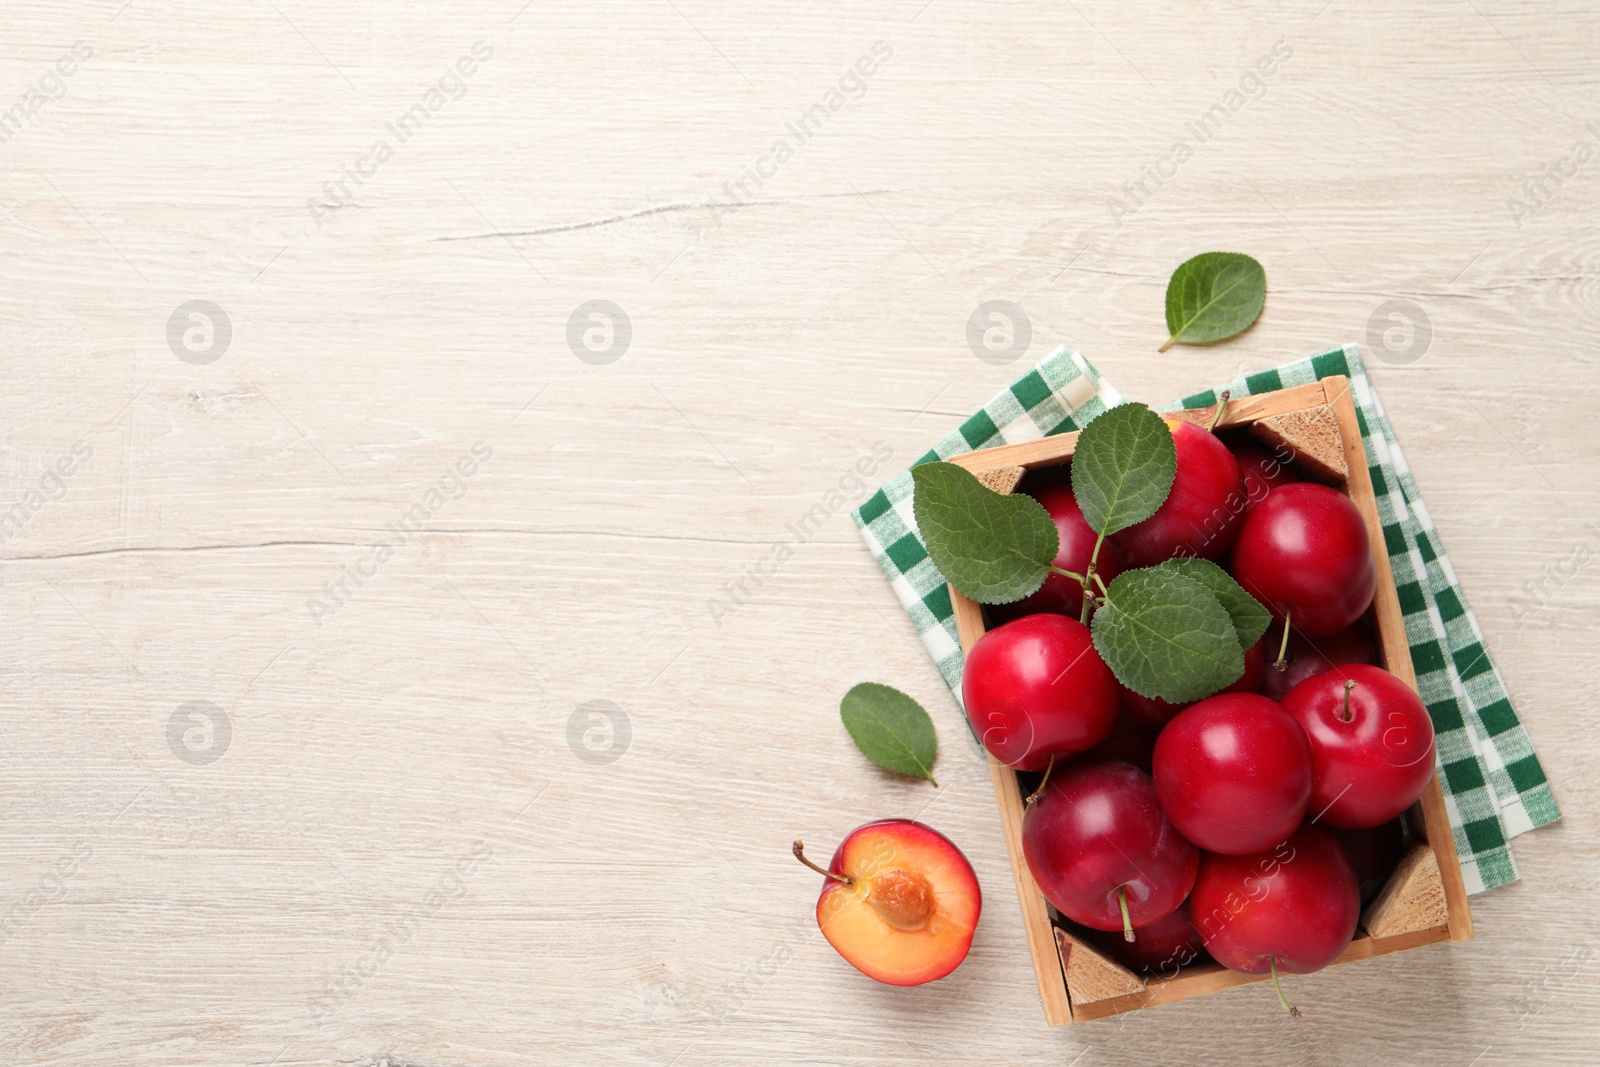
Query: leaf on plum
(1167,635)
(1250,618)
(994,548)
(1123,467)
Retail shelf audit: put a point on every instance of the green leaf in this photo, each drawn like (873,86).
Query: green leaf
(1214,296)
(1166,635)
(994,548)
(1250,619)
(1122,467)
(891,729)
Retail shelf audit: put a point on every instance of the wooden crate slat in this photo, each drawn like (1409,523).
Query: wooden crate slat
(1397,650)
(1201,979)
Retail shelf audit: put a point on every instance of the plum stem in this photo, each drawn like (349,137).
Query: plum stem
(800,854)
(1088,573)
(1222,405)
(1283,646)
(1344,714)
(1069,574)
(1048,767)
(1277,985)
(1127,921)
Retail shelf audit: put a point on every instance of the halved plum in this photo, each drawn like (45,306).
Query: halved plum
(900,902)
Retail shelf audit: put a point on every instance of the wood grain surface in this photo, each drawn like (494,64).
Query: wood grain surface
(329,741)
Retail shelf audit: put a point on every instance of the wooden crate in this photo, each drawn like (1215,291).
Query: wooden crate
(1425,900)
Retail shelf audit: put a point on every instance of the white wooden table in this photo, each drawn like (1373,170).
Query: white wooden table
(519,786)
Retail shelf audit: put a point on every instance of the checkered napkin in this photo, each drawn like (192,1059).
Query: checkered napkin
(1493,784)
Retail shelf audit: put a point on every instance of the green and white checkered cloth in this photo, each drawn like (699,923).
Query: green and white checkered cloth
(1493,784)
